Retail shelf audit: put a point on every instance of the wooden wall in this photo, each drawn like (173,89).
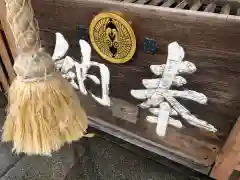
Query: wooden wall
(211,42)
(7,51)
(6,67)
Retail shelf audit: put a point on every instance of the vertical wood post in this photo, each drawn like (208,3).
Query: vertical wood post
(229,157)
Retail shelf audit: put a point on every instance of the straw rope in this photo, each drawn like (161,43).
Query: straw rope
(21,19)
(44,112)
(31,64)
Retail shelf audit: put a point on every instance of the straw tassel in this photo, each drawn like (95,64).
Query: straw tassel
(44,111)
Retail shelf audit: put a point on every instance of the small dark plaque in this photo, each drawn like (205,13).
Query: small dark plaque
(150,46)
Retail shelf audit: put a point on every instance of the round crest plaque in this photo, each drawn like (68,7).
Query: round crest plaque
(112,37)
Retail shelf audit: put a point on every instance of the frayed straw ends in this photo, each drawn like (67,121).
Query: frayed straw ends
(43,116)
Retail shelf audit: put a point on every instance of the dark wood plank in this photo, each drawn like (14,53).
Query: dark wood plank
(168,3)
(209,42)
(175,141)
(229,158)
(182,4)
(194,41)
(225,9)
(210,7)
(196,6)
(145,150)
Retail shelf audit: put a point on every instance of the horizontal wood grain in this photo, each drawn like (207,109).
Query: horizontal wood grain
(165,29)
(210,41)
(176,141)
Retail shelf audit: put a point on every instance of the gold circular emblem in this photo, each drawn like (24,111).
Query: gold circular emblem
(112,37)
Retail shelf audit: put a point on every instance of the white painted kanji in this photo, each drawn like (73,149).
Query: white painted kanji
(160,98)
(77,72)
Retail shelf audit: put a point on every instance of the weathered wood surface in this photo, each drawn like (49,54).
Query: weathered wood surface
(211,42)
(6,70)
(229,158)
(5,56)
(3,79)
(6,28)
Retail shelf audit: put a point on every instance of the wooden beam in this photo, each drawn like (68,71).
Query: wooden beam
(168,3)
(196,5)
(229,158)
(3,79)
(182,4)
(129,1)
(210,7)
(225,9)
(155,2)
(6,59)
(6,28)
